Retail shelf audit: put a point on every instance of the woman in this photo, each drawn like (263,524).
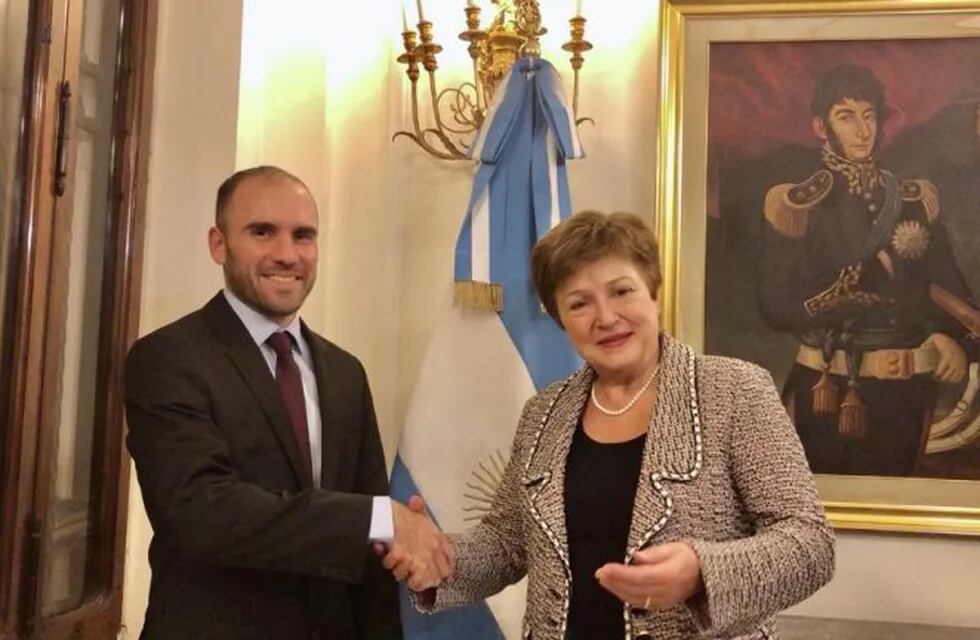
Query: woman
(655,493)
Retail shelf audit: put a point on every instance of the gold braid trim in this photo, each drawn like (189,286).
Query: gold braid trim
(924,191)
(788,205)
(844,290)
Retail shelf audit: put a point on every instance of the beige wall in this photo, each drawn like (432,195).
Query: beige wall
(315,98)
(390,214)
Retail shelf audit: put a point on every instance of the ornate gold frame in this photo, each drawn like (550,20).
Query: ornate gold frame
(853,502)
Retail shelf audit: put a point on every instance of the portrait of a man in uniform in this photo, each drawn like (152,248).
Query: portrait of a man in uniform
(832,264)
(853,253)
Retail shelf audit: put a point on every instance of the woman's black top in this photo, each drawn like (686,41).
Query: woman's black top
(600,484)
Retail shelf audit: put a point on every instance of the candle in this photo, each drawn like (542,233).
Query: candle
(470,3)
(421,15)
(404,18)
(578,8)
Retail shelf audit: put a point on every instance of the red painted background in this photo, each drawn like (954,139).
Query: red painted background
(759,93)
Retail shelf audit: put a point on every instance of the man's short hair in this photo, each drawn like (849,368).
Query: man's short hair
(848,81)
(231,183)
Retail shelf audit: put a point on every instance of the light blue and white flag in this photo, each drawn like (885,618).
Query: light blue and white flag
(480,367)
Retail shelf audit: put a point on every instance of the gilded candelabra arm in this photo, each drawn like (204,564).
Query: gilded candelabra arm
(476,37)
(456,151)
(420,135)
(434,98)
(410,59)
(576,45)
(413,53)
(425,53)
(464,108)
(513,31)
(429,48)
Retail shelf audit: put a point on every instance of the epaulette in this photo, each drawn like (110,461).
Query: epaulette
(924,191)
(788,205)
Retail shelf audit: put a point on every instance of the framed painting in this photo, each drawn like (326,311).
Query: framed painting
(819,210)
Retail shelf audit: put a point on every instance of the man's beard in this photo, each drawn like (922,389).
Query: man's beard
(248,292)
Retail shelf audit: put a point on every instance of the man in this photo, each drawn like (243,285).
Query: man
(257,449)
(852,256)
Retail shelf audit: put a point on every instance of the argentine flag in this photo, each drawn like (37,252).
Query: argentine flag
(480,367)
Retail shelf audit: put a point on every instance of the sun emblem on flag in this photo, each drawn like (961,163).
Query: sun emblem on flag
(910,239)
(482,486)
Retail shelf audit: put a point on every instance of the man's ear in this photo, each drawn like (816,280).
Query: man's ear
(217,245)
(819,128)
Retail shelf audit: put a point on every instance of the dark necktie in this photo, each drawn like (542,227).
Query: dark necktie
(291,386)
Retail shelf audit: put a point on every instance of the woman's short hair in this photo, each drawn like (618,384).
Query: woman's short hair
(586,237)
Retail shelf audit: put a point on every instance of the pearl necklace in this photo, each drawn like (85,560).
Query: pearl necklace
(629,405)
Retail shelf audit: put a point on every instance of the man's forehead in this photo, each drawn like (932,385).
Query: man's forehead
(266,186)
(851,104)
(262,195)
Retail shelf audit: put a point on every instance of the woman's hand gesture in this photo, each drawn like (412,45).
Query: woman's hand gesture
(660,576)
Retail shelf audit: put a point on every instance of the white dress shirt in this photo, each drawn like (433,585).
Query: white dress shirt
(260,328)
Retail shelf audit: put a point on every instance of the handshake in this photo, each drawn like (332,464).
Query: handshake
(420,553)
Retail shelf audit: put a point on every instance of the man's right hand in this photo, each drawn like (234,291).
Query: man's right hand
(952,366)
(420,552)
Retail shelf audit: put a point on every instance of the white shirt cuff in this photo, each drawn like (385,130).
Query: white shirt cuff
(382,522)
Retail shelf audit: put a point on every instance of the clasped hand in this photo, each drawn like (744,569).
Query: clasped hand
(659,577)
(420,552)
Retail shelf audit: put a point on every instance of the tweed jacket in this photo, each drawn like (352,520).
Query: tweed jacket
(722,470)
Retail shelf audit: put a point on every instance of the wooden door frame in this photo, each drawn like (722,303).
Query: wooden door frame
(25,323)
(99,617)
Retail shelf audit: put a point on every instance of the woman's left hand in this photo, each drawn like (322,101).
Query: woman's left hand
(659,577)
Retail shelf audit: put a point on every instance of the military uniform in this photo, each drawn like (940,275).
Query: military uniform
(861,391)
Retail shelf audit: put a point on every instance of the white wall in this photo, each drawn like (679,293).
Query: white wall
(902,578)
(326,108)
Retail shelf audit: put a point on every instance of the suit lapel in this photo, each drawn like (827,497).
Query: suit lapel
(330,412)
(248,360)
(673,447)
(672,452)
(544,476)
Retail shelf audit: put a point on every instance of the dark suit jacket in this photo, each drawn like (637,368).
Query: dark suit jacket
(244,547)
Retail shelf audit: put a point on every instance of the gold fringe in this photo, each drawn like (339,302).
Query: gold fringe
(928,193)
(478,296)
(853,419)
(826,397)
(788,219)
